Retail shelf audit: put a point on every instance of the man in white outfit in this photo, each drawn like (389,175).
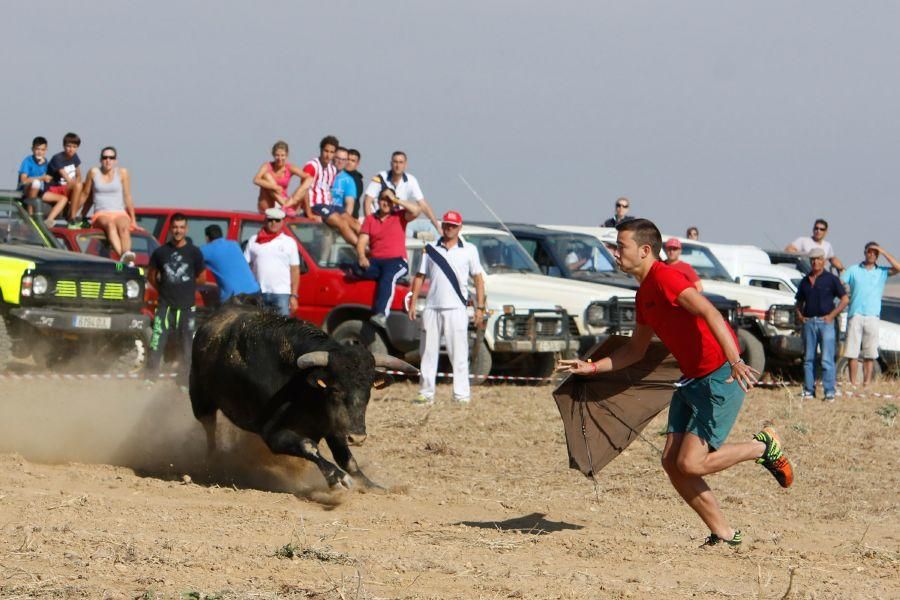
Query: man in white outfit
(448,264)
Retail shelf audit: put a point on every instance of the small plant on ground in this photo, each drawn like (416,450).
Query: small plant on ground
(888,413)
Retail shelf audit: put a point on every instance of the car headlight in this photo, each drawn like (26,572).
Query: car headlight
(39,285)
(780,316)
(596,315)
(132,288)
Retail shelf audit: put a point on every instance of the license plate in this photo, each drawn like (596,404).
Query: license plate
(86,322)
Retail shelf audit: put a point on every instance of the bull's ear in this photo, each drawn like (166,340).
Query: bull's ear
(382,380)
(319,378)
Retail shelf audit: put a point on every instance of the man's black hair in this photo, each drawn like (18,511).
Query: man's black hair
(179,217)
(38,141)
(645,232)
(71,138)
(213,232)
(329,140)
(821,222)
(354,152)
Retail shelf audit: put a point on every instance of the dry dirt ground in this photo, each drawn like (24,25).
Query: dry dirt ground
(94,503)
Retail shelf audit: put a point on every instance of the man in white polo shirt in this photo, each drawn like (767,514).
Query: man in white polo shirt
(275,262)
(405,186)
(448,263)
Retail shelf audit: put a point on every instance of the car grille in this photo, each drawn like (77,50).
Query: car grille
(525,326)
(90,290)
(622,313)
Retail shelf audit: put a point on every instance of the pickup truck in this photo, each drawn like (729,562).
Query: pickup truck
(55,305)
(332,298)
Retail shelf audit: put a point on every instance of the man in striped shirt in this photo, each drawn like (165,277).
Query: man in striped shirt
(317,179)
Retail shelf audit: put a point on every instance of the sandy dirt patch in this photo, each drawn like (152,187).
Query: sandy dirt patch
(105,493)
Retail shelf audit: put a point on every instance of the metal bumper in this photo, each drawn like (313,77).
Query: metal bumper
(74,322)
(520,346)
(787,346)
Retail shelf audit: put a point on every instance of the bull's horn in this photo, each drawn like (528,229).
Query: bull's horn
(319,358)
(392,362)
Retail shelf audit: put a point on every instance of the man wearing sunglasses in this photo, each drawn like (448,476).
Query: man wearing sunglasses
(448,264)
(803,244)
(275,262)
(621,214)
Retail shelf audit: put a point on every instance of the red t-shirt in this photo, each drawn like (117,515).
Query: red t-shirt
(687,337)
(387,237)
(685,269)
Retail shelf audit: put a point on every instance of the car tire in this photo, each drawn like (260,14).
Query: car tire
(6,345)
(842,369)
(752,350)
(360,333)
(481,366)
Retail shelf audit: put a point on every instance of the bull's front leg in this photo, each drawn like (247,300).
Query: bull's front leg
(341,452)
(289,442)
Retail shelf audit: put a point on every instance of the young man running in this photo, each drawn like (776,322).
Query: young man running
(708,397)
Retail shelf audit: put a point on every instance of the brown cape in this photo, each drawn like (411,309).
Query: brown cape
(603,414)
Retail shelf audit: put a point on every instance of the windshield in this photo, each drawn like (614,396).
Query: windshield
(704,262)
(17,228)
(327,248)
(501,254)
(584,256)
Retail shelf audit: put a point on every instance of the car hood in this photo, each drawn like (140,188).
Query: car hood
(54,256)
(752,297)
(574,296)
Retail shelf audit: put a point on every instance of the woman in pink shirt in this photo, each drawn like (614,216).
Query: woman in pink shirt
(273,178)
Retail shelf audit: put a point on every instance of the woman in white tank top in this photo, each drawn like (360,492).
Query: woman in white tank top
(108,187)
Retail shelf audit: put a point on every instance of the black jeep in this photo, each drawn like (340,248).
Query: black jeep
(57,304)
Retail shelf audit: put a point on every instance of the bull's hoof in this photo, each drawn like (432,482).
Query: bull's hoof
(342,481)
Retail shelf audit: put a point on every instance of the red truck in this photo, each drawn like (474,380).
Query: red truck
(330,296)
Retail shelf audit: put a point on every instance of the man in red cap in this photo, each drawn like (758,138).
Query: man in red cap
(673,259)
(448,264)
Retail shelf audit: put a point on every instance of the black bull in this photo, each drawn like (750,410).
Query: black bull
(288,382)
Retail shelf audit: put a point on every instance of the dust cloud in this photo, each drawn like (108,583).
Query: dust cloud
(148,429)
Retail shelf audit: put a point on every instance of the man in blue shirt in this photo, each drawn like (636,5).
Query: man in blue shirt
(816,310)
(33,179)
(226,260)
(343,194)
(866,282)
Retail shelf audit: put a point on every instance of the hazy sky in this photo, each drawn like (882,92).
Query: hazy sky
(746,119)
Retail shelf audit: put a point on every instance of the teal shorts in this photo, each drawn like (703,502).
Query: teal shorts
(707,407)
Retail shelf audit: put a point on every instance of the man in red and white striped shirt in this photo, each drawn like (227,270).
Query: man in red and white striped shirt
(317,179)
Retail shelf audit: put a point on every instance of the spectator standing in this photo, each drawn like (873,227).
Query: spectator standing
(108,189)
(803,244)
(621,214)
(866,282)
(692,233)
(816,310)
(448,264)
(226,261)
(353,158)
(33,178)
(275,261)
(175,269)
(384,232)
(65,183)
(273,179)
(404,185)
(673,259)
(709,396)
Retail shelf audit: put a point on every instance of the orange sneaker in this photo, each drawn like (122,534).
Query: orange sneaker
(773,457)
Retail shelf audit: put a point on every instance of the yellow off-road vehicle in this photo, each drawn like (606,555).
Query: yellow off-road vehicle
(56,304)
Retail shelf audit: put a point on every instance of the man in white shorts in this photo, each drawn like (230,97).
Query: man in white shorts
(866,284)
(448,264)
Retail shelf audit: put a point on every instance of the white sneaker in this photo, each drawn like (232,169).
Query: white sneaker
(379,320)
(465,400)
(128,258)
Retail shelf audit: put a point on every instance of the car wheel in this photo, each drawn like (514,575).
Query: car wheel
(843,370)
(360,333)
(752,350)
(480,364)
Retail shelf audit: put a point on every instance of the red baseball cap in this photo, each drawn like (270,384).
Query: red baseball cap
(672,243)
(452,217)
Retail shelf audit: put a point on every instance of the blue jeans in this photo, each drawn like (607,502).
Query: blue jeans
(816,332)
(386,271)
(280,302)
